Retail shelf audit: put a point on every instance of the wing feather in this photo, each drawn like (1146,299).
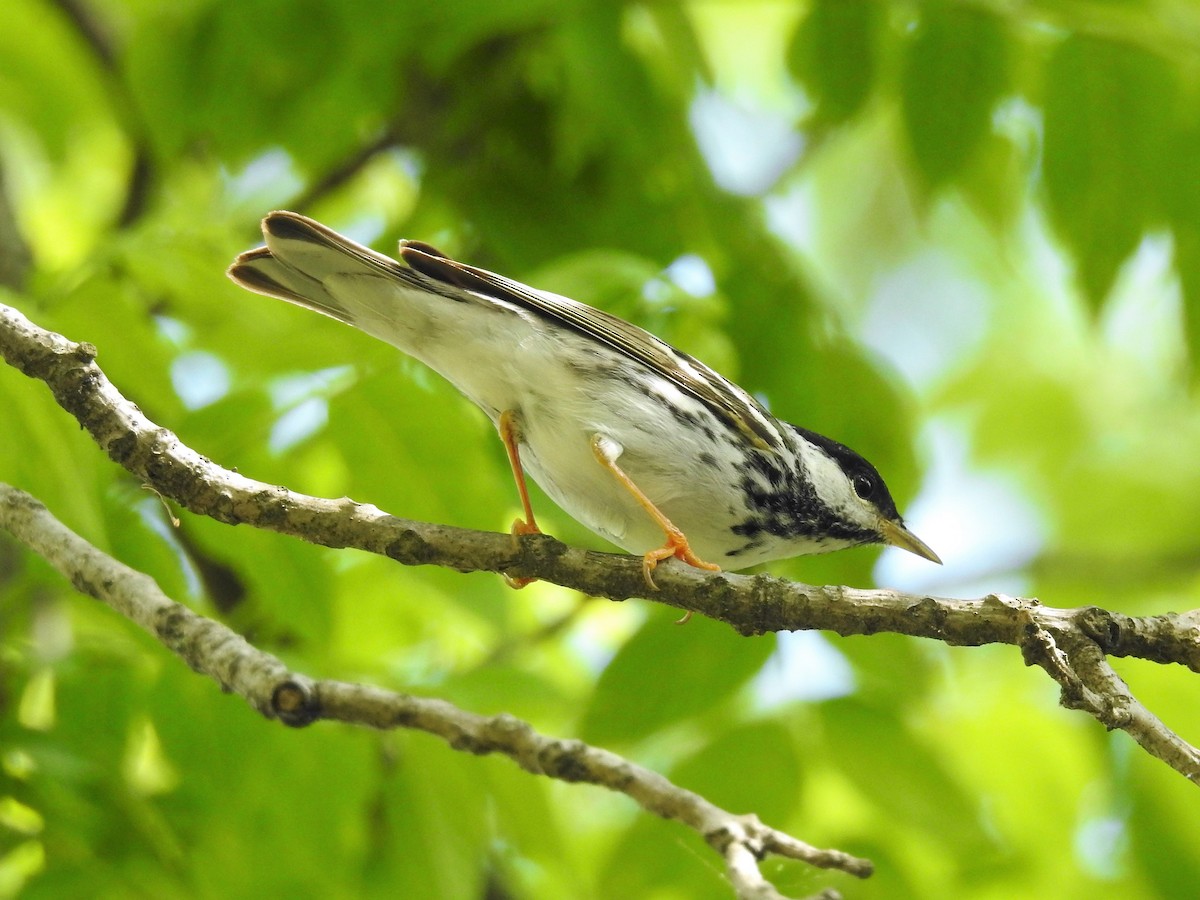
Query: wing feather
(687,373)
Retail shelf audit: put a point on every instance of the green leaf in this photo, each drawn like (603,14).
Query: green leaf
(431,834)
(1108,134)
(1161,819)
(414,447)
(877,661)
(269,585)
(835,55)
(280,59)
(1181,196)
(110,308)
(50,83)
(1187,263)
(664,674)
(954,72)
(500,688)
(899,772)
(752,766)
(234,817)
(658,858)
(995,182)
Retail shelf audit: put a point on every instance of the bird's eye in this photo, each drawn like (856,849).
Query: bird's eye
(863,486)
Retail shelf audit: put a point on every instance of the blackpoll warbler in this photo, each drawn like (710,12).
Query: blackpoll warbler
(632,437)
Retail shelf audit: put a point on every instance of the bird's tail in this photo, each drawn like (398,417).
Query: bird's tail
(312,266)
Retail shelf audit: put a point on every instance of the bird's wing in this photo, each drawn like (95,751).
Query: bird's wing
(688,374)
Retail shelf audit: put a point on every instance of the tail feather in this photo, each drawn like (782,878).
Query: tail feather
(312,266)
(262,273)
(300,255)
(265,271)
(306,245)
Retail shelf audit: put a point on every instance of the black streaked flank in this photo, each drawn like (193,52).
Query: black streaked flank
(783,502)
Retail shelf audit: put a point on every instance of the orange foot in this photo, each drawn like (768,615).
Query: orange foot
(521,527)
(606,452)
(678,547)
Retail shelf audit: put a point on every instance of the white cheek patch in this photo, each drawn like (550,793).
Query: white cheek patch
(834,489)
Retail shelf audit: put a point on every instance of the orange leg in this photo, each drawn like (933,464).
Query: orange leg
(677,542)
(510,434)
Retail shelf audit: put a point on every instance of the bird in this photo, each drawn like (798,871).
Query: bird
(642,443)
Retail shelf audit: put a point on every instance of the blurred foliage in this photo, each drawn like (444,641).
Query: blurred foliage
(961,235)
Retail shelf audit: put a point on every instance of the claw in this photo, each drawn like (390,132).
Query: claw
(678,547)
(519,528)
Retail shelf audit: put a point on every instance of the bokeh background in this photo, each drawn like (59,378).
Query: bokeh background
(961,236)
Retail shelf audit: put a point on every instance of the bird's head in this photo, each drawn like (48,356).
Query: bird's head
(853,492)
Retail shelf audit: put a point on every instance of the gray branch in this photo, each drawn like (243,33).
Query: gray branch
(1071,645)
(278,693)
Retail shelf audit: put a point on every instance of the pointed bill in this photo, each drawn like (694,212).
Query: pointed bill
(898,536)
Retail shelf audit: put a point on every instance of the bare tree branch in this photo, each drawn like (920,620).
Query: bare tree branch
(271,688)
(1070,644)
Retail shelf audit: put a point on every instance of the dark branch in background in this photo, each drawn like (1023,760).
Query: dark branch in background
(278,693)
(1071,645)
(343,171)
(424,109)
(91,31)
(15,257)
(422,113)
(142,172)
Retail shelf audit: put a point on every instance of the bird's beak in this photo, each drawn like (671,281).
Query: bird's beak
(898,536)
